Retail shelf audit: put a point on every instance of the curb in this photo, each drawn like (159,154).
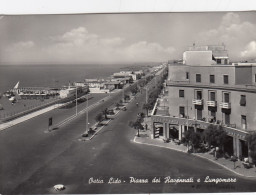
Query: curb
(134,140)
(106,123)
(103,126)
(99,130)
(60,124)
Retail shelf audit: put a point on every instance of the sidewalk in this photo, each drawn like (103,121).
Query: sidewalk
(11,123)
(145,138)
(24,118)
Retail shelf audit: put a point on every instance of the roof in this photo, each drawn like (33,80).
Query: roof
(123,79)
(112,83)
(218,51)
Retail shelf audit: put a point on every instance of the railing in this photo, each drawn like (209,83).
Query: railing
(197,102)
(212,103)
(226,105)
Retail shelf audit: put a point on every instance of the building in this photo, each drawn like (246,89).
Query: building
(73,91)
(133,75)
(111,85)
(206,89)
(122,81)
(206,55)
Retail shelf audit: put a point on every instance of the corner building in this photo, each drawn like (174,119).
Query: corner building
(206,89)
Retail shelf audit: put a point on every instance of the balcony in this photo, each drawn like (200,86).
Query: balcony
(225,105)
(211,103)
(197,102)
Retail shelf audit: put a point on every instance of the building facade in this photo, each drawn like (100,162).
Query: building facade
(208,91)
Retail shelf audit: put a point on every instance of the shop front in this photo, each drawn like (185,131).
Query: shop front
(174,128)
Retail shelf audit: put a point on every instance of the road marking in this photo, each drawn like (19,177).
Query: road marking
(60,124)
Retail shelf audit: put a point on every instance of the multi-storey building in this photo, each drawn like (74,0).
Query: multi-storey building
(206,89)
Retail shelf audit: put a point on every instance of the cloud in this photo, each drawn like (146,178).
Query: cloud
(234,33)
(20,46)
(250,50)
(148,51)
(80,46)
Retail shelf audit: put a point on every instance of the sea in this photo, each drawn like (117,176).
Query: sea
(54,75)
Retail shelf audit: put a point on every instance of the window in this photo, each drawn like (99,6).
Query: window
(212,79)
(212,96)
(181,93)
(225,79)
(198,95)
(227,118)
(213,113)
(198,78)
(218,61)
(243,122)
(226,97)
(187,75)
(199,114)
(182,111)
(243,100)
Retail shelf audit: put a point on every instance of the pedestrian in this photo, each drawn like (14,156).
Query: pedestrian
(216,153)
(137,104)
(146,126)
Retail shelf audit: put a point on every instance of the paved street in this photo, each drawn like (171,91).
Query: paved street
(33,161)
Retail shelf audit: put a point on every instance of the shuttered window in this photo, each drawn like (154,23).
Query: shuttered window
(225,79)
(198,78)
(243,122)
(212,96)
(181,93)
(182,111)
(243,100)
(212,79)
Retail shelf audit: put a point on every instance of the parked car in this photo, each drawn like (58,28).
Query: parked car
(111,112)
(124,108)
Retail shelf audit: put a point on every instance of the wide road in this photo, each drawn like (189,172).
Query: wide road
(33,161)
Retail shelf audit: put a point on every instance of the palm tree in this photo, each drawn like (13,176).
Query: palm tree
(105,112)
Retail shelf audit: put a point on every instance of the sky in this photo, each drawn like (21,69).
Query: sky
(122,38)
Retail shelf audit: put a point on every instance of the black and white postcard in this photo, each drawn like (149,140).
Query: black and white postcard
(128,103)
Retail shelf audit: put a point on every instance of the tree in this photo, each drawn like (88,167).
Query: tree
(136,125)
(192,138)
(117,106)
(99,117)
(148,107)
(215,136)
(134,90)
(126,97)
(105,112)
(251,139)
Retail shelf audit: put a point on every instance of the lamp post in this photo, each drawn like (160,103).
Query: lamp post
(87,122)
(76,100)
(146,94)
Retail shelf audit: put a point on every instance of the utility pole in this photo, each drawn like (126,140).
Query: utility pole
(123,94)
(146,94)
(87,122)
(187,115)
(76,100)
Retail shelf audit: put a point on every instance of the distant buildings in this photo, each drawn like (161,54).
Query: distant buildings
(77,89)
(206,89)
(117,81)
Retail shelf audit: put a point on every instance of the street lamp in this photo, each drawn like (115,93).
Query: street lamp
(87,122)
(76,100)
(146,94)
